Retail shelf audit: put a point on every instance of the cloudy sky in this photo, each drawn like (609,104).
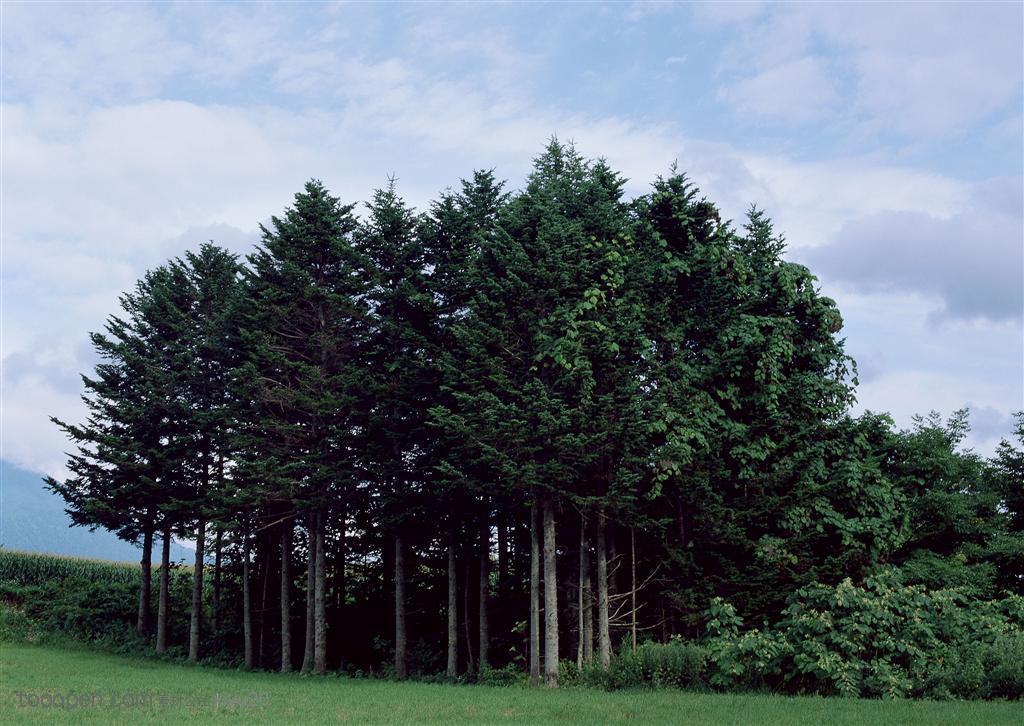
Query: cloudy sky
(884,139)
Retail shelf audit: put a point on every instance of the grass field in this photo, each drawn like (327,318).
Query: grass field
(116,689)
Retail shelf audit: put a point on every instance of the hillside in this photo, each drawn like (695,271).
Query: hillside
(33,519)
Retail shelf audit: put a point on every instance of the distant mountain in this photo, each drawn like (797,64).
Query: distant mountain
(32,518)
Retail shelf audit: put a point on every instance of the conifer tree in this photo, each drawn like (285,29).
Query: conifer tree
(453,234)
(534,338)
(205,338)
(307,333)
(130,474)
(402,379)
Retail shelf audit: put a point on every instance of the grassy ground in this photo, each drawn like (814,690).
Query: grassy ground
(162,692)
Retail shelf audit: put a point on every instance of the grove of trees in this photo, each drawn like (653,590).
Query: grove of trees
(512,430)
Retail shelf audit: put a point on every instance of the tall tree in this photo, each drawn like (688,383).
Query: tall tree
(130,472)
(306,330)
(401,374)
(745,371)
(201,313)
(452,235)
(535,338)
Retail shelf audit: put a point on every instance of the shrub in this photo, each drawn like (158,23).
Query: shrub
(881,640)
(676,664)
(979,670)
(83,607)
(508,675)
(69,598)
(1003,661)
(16,627)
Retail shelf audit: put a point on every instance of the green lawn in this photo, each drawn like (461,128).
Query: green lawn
(190,694)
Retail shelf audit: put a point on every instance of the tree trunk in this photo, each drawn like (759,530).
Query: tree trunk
(604,642)
(466,589)
(217,553)
(534,595)
(246,605)
(485,581)
(453,615)
(588,618)
(612,558)
(550,597)
(681,521)
(286,596)
(196,624)
(341,577)
(146,587)
(264,562)
(585,647)
(400,655)
(307,657)
(502,556)
(161,616)
(632,591)
(319,614)
(218,548)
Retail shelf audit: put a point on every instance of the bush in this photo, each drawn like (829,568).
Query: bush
(84,607)
(67,598)
(881,640)
(1003,660)
(979,670)
(676,664)
(509,675)
(16,627)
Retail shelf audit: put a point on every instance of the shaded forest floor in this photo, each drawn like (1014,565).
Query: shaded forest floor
(102,688)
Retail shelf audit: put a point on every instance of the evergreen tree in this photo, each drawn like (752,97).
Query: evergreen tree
(130,474)
(633,392)
(453,234)
(403,382)
(306,333)
(207,351)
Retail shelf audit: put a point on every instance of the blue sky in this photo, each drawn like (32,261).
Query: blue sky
(884,139)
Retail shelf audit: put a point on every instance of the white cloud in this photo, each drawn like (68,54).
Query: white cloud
(106,175)
(131,175)
(972,260)
(639,10)
(730,11)
(30,440)
(798,90)
(910,366)
(918,69)
(811,200)
(905,394)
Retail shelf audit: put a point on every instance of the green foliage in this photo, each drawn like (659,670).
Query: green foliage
(83,607)
(960,526)
(676,664)
(884,639)
(673,665)
(413,379)
(508,675)
(58,599)
(15,626)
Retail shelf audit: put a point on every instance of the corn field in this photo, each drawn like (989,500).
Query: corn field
(31,568)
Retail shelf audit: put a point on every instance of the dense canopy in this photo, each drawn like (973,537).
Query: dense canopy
(514,429)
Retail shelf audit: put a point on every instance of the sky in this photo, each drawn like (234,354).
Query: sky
(884,140)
